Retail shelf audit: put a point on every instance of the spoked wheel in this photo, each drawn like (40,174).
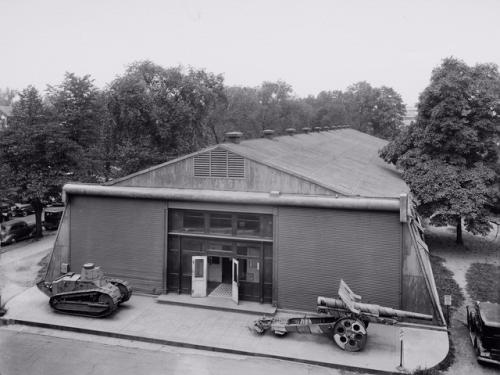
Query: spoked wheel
(350,334)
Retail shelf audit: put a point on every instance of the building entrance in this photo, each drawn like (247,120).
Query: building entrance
(220,276)
(229,253)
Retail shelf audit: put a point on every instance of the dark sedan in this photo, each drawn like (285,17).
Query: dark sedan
(15,231)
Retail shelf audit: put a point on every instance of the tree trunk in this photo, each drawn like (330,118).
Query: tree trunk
(459,240)
(38,207)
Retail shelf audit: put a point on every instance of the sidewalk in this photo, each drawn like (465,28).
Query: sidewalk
(144,319)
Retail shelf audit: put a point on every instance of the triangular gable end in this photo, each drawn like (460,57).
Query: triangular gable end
(217,168)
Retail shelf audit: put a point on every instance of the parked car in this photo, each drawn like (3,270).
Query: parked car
(483,321)
(52,217)
(15,231)
(5,212)
(22,209)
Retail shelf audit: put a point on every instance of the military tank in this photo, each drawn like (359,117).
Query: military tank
(86,294)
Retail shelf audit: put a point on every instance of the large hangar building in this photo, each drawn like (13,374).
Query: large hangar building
(277,220)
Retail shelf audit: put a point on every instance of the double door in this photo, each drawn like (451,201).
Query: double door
(199,277)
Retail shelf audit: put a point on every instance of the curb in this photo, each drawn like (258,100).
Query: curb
(6,321)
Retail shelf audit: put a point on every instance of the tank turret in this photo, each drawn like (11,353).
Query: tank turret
(86,294)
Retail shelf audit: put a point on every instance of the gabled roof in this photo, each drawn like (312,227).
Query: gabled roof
(344,160)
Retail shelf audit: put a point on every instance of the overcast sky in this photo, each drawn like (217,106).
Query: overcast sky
(312,45)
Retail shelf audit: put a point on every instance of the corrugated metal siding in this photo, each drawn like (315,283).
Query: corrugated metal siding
(318,247)
(124,236)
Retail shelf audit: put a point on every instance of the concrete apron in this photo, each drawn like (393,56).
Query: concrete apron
(143,319)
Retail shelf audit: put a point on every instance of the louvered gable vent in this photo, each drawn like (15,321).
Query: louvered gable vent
(219,163)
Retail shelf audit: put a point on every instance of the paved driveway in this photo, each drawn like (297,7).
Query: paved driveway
(19,265)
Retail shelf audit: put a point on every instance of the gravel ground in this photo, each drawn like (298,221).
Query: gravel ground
(476,249)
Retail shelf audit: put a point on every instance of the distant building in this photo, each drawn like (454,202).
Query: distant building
(411,115)
(5,114)
(276,220)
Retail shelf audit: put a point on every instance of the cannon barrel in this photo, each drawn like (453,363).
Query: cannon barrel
(367,308)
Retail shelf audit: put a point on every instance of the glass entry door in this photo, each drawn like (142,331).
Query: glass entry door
(199,276)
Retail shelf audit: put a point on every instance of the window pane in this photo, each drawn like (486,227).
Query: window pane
(175,220)
(221,224)
(220,246)
(193,222)
(248,225)
(198,267)
(267,226)
(250,270)
(248,249)
(192,244)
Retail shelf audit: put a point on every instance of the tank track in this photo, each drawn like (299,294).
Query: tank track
(90,303)
(124,286)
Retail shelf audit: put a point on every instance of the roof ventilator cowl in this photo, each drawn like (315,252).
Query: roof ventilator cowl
(290,131)
(233,137)
(306,130)
(268,133)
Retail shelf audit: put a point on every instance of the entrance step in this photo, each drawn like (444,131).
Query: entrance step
(217,303)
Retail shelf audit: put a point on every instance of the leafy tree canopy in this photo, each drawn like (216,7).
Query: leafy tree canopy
(162,111)
(374,110)
(449,156)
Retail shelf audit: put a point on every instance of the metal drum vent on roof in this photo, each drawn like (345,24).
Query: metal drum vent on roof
(219,163)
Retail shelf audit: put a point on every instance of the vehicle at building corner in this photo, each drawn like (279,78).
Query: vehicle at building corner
(15,231)
(23,209)
(5,212)
(483,321)
(52,217)
(86,294)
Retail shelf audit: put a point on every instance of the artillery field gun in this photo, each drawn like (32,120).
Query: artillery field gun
(345,320)
(89,294)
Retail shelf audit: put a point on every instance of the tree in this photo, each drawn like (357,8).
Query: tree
(273,97)
(74,104)
(448,156)
(29,109)
(157,112)
(37,154)
(330,109)
(40,164)
(376,111)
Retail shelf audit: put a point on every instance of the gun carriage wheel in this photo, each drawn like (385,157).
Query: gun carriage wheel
(350,334)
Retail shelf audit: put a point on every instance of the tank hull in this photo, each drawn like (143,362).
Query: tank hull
(88,294)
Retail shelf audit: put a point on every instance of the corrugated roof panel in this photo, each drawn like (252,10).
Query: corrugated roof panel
(344,160)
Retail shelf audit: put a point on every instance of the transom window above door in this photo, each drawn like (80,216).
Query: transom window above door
(224,224)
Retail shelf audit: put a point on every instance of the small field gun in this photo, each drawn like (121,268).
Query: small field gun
(345,320)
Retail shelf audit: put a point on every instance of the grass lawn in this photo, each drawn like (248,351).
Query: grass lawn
(445,283)
(483,282)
